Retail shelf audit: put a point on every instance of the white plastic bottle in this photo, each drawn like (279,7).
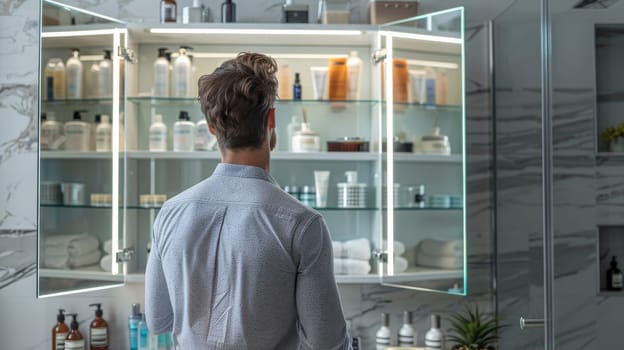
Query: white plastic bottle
(183,133)
(77,134)
(383,337)
(92,74)
(202,136)
(407,334)
(73,73)
(434,339)
(51,132)
(430,86)
(293,127)
(96,121)
(103,135)
(161,74)
(105,76)
(182,74)
(354,75)
(157,135)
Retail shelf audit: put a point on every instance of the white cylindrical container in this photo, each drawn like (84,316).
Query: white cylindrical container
(103,135)
(434,339)
(407,334)
(77,134)
(306,140)
(161,74)
(383,337)
(74,76)
(182,74)
(183,134)
(284,84)
(354,74)
(293,127)
(105,76)
(60,79)
(51,132)
(418,86)
(203,138)
(435,143)
(319,80)
(321,182)
(157,135)
(91,77)
(352,194)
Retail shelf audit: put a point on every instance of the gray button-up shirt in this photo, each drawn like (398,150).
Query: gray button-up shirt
(237,263)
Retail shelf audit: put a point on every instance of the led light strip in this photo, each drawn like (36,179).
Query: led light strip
(78,33)
(424,37)
(240,31)
(433,64)
(390,154)
(86,12)
(274,55)
(115,165)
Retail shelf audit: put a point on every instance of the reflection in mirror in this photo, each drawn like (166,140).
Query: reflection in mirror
(425,224)
(79,103)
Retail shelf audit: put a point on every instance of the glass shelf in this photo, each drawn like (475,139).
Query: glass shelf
(138,207)
(82,101)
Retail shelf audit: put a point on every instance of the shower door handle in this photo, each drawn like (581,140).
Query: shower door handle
(531,323)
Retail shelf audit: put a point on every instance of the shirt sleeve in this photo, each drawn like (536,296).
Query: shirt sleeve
(321,321)
(158,310)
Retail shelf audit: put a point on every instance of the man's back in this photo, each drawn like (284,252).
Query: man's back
(237,263)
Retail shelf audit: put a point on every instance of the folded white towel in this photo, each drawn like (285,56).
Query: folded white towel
(56,261)
(84,260)
(107,246)
(400,264)
(351,267)
(359,249)
(106,263)
(440,262)
(435,247)
(74,245)
(399,247)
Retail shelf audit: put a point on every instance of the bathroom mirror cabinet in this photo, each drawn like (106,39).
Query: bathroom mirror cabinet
(121,132)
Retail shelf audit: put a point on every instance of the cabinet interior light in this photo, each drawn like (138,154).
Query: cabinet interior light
(424,37)
(77,33)
(239,31)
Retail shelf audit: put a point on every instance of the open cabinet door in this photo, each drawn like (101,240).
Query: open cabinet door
(81,156)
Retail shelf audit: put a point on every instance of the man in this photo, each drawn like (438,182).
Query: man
(237,263)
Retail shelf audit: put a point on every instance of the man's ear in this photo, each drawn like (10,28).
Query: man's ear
(212,132)
(272,118)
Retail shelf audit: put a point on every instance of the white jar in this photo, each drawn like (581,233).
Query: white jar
(435,143)
(306,140)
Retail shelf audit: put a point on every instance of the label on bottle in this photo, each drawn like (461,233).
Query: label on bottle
(183,139)
(75,344)
(103,140)
(50,88)
(77,138)
(202,137)
(167,12)
(60,340)
(617,280)
(99,337)
(181,79)
(157,140)
(430,88)
(431,343)
(406,340)
(74,83)
(161,80)
(297,92)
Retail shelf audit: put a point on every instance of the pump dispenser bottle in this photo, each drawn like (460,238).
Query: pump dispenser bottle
(161,74)
(74,340)
(434,339)
(74,76)
(98,330)
(183,133)
(59,332)
(105,76)
(383,338)
(77,134)
(103,135)
(228,11)
(157,135)
(133,326)
(143,341)
(407,334)
(51,132)
(182,73)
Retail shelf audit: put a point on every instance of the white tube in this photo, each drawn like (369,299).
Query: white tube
(419,90)
(319,77)
(321,182)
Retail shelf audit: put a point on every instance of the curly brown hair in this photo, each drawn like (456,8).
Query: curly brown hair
(237,97)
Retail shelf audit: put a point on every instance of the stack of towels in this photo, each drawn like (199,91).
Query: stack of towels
(106,263)
(441,254)
(352,257)
(71,251)
(400,262)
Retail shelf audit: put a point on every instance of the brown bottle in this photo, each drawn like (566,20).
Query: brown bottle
(74,340)
(59,332)
(98,330)
(168,11)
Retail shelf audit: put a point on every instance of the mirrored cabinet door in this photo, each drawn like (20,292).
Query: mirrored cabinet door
(81,104)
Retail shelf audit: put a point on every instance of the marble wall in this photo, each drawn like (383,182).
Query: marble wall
(18,183)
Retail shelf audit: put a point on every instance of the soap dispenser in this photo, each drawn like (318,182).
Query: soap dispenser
(105,76)
(74,340)
(103,135)
(59,332)
(161,74)
(183,133)
(182,73)
(51,132)
(98,330)
(434,339)
(383,337)
(74,76)
(77,134)
(407,334)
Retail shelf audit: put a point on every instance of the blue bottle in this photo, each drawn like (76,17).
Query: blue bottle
(133,326)
(297,88)
(143,334)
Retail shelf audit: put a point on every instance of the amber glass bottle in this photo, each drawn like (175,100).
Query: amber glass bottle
(74,340)
(60,331)
(98,330)
(168,11)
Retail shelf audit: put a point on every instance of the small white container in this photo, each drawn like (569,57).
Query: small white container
(407,334)
(306,140)
(183,134)
(103,135)
(77,134)
(51,132)
(435,143)
(73,193)
(74,76)
(157,135)
(434,339)
(203,138)
(352,194)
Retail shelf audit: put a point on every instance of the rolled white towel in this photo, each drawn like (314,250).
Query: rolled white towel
(351,267)
(435,247)
(74,245)
(56,261)
(440,262)
(107,246)
(399,247)
(106,263)
(359,249)
(86,259)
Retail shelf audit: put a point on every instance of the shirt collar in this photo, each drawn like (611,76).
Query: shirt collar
(244,171)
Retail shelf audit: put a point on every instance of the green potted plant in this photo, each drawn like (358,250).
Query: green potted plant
(473,331)
(613,136)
